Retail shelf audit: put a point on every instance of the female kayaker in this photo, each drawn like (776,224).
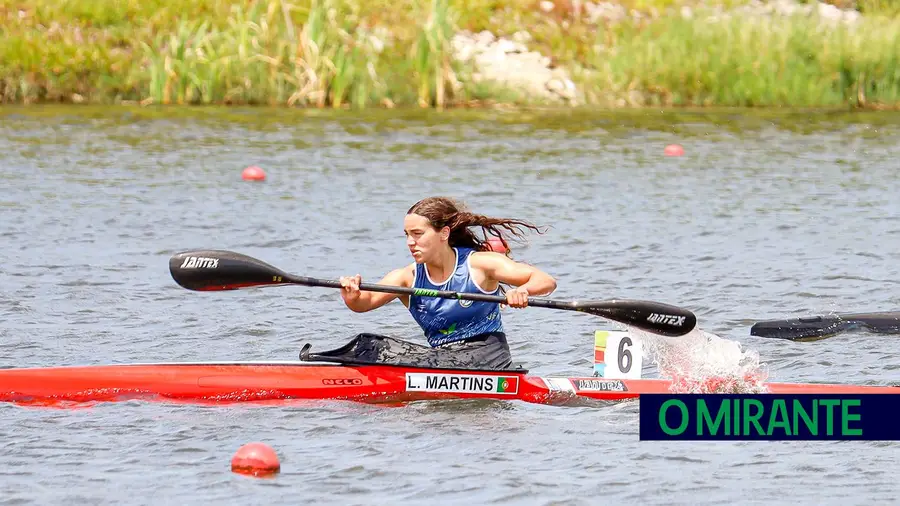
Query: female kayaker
(449,256)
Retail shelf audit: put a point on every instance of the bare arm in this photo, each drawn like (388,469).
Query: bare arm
(360,301)
(500,268)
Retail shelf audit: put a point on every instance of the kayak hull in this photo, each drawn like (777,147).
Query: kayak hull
(224,383)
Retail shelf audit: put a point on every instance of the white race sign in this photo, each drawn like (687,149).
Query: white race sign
(617,354)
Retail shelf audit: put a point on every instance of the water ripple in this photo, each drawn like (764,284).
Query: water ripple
(754,223)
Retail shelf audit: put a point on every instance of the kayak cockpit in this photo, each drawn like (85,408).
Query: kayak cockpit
(376,349)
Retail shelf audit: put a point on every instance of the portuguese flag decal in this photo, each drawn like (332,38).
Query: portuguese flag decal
(507,384)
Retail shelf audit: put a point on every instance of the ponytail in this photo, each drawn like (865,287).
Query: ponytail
(444,212)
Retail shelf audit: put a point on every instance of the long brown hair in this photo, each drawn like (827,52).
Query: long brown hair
(447,212)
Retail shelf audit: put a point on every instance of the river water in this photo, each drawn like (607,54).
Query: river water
(765,216)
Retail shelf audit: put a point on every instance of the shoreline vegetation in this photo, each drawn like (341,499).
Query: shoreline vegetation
(452,53)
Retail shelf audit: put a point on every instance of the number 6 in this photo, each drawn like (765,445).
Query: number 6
(624,354)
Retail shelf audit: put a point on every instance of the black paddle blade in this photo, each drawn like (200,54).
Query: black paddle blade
(212,270)
(799,329)
(817,327)
(655,317)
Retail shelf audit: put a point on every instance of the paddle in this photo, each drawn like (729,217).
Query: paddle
(215,270)
(821,326)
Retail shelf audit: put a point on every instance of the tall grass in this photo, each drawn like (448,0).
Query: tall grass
(343,53)
(795,61)
(323,53)
(433,55)
(261,57)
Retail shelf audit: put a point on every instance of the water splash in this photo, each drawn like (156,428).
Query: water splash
(701,362)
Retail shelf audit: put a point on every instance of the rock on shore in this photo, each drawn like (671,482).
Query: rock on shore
(510,64)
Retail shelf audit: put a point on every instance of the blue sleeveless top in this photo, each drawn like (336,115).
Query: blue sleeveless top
(449,320)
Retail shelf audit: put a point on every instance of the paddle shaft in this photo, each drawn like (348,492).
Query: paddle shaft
(217,270)
(424,292)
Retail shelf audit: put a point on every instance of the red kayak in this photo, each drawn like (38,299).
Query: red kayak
(358,371)
(219,383)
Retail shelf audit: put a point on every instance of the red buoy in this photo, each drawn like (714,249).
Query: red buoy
(673,150)
(253,173)
(255,459)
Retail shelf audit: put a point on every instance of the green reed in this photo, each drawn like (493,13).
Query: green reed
(323,53)
(793,61)
(342,53)
(433,55)
(261,57)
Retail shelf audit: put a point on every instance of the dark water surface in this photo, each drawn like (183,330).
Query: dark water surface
(766,216)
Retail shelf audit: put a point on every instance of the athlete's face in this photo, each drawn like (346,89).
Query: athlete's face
(425,242)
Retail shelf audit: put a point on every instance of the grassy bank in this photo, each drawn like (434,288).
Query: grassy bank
(337,53)
(752,62)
